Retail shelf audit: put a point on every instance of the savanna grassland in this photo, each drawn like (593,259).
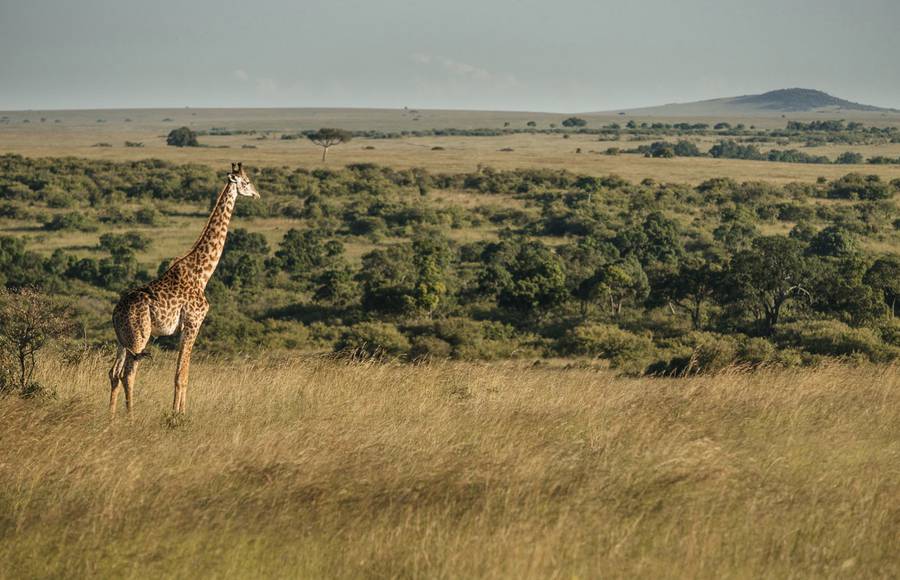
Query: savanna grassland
(459,356)
(78,133)
(317,468)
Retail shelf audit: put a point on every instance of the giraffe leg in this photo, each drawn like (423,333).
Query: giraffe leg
(131,365)
(131,320)
(114,394)
(115,379)
(188,335)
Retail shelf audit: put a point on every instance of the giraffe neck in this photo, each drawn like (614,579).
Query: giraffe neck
(204,256)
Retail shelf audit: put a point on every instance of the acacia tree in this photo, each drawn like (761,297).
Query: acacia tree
(242,265)
(616,284)
(691,286)
(884,277)
(768,275)
(28,321)
(302,254)
(182,137)
(335,285)
(524,276)
(327,138)
(407,279)
(574,122)
(432,259)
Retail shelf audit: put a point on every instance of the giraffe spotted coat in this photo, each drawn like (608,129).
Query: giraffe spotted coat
(175,302)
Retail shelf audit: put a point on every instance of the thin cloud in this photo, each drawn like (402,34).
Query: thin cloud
(461,69)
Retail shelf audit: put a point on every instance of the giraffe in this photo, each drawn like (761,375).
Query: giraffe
(174,302)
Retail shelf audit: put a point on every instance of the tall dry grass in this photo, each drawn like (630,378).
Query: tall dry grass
(317,469)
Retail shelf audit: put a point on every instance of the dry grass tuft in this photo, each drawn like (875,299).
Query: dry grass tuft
(319,468)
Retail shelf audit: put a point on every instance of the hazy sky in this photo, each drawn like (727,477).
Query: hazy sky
(562,55)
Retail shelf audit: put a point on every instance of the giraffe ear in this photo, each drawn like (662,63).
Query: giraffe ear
(240,167)
(233,168)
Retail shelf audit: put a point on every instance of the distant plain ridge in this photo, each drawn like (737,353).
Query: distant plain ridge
(765,104)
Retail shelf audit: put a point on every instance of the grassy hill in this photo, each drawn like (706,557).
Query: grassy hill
(794,100)
(766,104)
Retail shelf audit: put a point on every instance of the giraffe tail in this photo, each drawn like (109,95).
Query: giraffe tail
(118,367)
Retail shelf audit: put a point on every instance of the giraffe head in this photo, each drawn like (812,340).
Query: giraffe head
(241,182)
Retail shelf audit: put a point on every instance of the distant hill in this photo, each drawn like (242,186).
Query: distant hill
(772,102)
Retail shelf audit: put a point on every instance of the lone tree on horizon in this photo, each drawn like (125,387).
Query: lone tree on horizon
(574,122)
(327,138)
(182,137)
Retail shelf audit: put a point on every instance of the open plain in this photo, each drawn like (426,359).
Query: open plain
(319,468)
(80,133)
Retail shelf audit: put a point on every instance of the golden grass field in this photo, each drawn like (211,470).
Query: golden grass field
(312,467)
(315,468)
(79,132)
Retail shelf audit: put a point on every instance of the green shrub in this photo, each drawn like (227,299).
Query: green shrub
(147,216)
(833,338)
(685,148)
(477,340)
(849,158)
(890,331)
(375,339)
(430,347)
(13,211)
(756,351)
(227,330)
(325,334)
(70,221)
(251,208)
(372,226)
(182,137)
(57,198)
(857,186)
(709,352)
(623,349)
(287,334)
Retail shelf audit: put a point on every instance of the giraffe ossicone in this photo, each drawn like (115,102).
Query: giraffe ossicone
(175,302)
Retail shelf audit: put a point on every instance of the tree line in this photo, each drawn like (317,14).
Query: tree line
(650,276)
(812,134)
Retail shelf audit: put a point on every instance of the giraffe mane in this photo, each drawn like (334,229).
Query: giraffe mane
(203,231)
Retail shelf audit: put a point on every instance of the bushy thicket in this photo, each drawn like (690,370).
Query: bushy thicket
(733,149)
(669,278)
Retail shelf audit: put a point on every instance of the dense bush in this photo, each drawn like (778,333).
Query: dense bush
(830,337)
(430,348)
(474,339)
(623,349)
(684,148)
(574,122)
(857,186)
(732,150)
(70,221)
(554,262)
(849,158)
(182,137)
(29,321)
(374,339)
